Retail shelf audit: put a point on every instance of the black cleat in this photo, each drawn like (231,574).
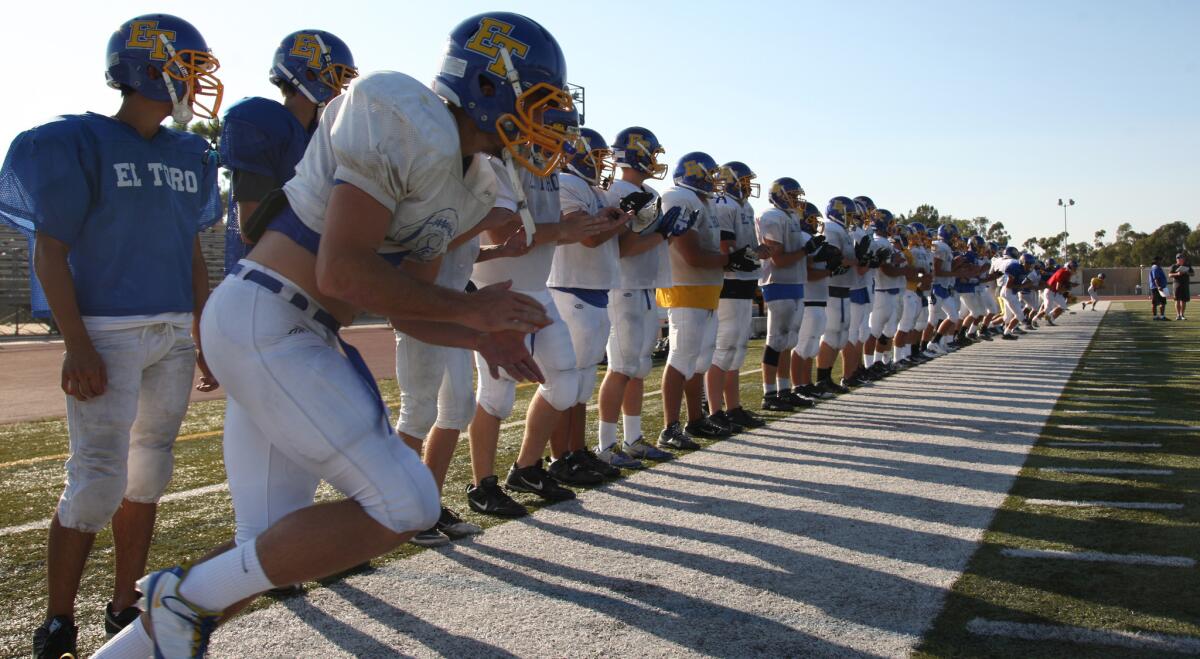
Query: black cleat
(796,399)
(746,418)
(832,388)
(706,429)
(594,463)
(572,469)
(489,499)
(814,392)
(534,480)
(55,639)
(114,622)
(773,403)
(721,419)
(674,437)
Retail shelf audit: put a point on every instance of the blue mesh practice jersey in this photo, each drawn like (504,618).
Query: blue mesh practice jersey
(128,207)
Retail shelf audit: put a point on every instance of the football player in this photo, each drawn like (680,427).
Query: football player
(362,193)
(861,224)
(697,267)
(632,307)
(735,218)
(837,314)
(117,203)
(890,279)
(581,276)
(944,275)
(822,260)
(552,350)
(263,139)
(972,309)
(1058,285)
(1094,287)
(909,302)
(784,274)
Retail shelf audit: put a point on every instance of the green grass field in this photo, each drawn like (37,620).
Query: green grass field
(31,476)
(1130,360)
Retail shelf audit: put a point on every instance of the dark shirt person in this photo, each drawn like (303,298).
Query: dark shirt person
(1181,273)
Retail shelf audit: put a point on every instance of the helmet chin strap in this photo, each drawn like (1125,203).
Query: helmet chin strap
(510,74)
(181,108)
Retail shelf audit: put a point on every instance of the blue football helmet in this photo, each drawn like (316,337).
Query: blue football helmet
(977,244)
(1028,260)
(993,247)
(736,179)
(901,234)
(318,64)
(810,217)
(919,233)
(787,195)
(164,58)
(883,221)
(841,209)
(697,171)
(1012,252)
(592,160)
(1072,265)
(1051,264)
(509,75)
(946,233)
(638,149)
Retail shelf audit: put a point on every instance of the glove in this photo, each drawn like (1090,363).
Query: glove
(830,257)
(646,216)
(676,223)
(862,249)
(881,256)
(741,260)
(814,244)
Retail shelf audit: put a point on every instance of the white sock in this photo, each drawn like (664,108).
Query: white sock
(769,388)
(633,428)
(886,358)
(226,579)
(131,643)
(868,360)
(608,434)
(784,383)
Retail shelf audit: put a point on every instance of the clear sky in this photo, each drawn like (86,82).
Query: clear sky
(994,108)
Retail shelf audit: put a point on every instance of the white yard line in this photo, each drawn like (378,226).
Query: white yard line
(1126,426)
(1101,557)
(1094,445)
(1109,472)
(1126,505)
(1116,412)
(1063,634)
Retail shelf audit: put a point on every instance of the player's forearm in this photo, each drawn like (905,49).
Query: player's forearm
(368,282)
(441,334)
(893,271)
(50,263)
(632,243)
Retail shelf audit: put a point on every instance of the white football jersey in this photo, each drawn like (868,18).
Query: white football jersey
(530,271)
(867,279)
(393,138)
(645,270)
(944,255)
(682,273)
(836,235)
(1000,264)
(884,281)
(457,264)
(737,218)
(783,227)
(576,265)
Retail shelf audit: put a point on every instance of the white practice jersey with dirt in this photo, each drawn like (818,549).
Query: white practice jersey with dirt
(576,265)
(836,235)
(645,270)
(884,281)
(394,139)
(531,271)
(944,260)
(706,230)
(783,227)
(736,217)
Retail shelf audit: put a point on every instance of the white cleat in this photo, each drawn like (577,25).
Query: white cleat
(180,628)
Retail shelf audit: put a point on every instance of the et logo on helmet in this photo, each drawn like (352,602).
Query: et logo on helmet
(493,34)
(145,34)
(694,168)
(307,46)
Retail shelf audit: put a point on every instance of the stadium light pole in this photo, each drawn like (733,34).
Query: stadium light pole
(1065,205)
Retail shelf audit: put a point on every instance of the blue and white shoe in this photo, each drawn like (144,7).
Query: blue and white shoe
(639,449)
(180,628)
(615,457)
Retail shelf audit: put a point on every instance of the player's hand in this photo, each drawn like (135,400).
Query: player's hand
(763,252)
(83,373)
(514,245)
(506,350)
(575,229)
(497,309)
(498,219)
(208,382)
(614,216)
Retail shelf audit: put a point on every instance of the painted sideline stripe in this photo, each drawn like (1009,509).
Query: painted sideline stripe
(209,489)
(1091,445)
(1126,426)
(174,496)
(1112,637)
(1117,412)
(1101,557)
(1110,472)
(1128,505)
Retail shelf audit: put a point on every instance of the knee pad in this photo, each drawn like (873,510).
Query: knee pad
(150,470)
(561,388)
(770,356)
(91,497)
(456,403)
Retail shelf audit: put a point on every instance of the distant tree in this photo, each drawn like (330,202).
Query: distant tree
(1126,234)
(1098,239)
(1052,245)
(1165,241)
(998,233)
(1030,246)
(926,214)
